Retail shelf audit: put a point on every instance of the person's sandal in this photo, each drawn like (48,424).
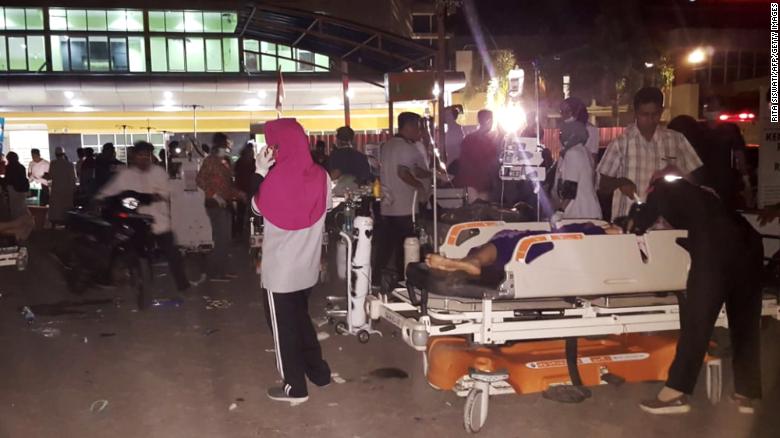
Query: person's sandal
(744,405)
(674,406)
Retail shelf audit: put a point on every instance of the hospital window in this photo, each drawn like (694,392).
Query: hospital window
(308,58)
(262,56)
(22,53)
(21,18)
(194,54)
(193,21)
(98,53)
(96,20)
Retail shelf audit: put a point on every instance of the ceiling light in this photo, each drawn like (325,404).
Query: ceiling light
(649,65)
(167,95)
(697,56)
(68,94)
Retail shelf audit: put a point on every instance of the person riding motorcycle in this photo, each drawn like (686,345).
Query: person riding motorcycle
(143,177)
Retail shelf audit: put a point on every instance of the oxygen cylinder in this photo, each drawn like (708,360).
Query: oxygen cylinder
(341,259)
(411,251)
(361,267)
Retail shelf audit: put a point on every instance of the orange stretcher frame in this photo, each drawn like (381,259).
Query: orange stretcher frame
(536,365)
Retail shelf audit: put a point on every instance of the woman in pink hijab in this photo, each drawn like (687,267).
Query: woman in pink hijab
(293,200)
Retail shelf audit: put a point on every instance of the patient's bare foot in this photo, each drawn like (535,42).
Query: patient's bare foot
(436,261)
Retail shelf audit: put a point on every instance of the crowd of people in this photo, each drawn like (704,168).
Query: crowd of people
(289,185)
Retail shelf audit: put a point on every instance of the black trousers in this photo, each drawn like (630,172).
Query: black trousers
(710,286)
(393,230)
(298,353)
(44,195)
(167,245)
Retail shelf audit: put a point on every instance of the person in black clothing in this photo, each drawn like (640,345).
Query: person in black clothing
(105,165)
(16,186)
(348,161)
(318,154)
(726,263)
(243,171)
(715,145)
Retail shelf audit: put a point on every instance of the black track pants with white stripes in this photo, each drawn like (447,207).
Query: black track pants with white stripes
(298,353)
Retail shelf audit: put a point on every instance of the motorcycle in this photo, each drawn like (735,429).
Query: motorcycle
(112,246)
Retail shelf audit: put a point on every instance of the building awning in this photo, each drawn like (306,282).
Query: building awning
(340,40)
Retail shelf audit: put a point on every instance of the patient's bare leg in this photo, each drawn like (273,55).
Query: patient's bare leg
(485,255)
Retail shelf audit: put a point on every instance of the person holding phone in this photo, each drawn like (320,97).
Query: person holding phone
(293,200)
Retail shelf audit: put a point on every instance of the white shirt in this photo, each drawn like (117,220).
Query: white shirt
(153,182)
(452,140)
(291,259)
(37,170)
(397,196)
(594,138)
(577,166)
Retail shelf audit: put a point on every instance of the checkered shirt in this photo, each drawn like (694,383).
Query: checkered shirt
(632,156)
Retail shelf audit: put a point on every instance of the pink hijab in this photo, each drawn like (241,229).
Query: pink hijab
(294,193)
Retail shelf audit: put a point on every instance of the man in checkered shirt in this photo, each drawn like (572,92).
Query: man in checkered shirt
(644,148)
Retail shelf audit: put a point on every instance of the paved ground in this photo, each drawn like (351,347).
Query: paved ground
(174,372)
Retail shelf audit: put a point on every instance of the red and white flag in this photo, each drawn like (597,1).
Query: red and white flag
(279,93)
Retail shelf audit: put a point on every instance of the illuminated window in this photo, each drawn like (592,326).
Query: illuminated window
(214,55)
(17,53)
(176,54)
(230,54)
(286,63)
(212,22)
(174,21)
(95,20)
(159,49)
(269,56)
(36,53)
(21,18)
(136,52)
(193,21)
(3,56)
(195,54)
(251,56)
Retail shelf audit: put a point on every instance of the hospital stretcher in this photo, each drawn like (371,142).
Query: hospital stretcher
(571,309)
(13,234)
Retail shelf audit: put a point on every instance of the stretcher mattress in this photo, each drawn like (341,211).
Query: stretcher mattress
(574,264)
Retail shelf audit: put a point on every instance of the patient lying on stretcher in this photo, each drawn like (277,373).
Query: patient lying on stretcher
(498,251)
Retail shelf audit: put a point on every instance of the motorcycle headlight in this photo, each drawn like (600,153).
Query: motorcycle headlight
(130,203)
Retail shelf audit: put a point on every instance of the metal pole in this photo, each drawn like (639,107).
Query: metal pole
(345,91)
(538,139)
(390,118)
(440,67)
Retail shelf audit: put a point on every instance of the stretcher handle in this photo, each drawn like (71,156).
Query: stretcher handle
(621,281)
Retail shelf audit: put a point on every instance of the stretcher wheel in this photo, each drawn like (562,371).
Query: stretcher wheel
(342,328)
(363,336)
(714,381)
(475,411)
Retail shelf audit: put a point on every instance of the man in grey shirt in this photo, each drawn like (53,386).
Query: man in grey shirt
(403,168)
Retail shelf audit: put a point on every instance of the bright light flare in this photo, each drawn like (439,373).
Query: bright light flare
(511,118)
(697,56)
